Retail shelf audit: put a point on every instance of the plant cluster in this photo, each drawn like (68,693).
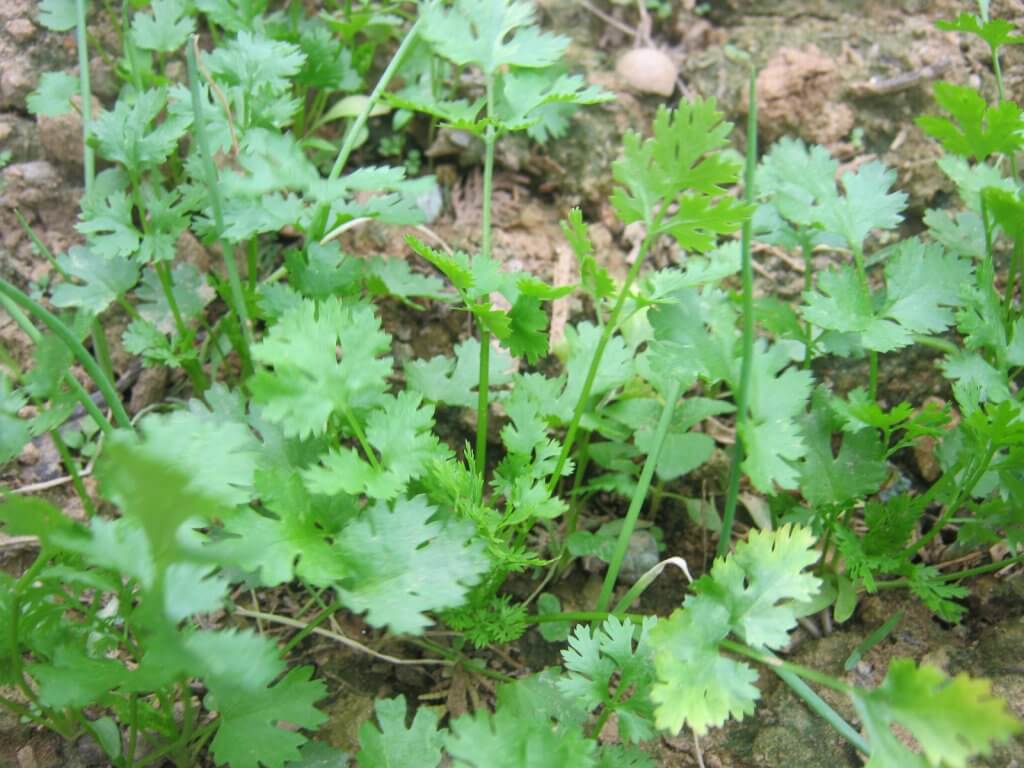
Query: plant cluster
(307,457)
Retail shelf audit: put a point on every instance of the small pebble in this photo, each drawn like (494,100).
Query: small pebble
(648,70)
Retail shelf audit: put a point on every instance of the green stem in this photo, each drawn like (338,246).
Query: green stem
(639,495)
(76,476)
(357,430)
(951,509)
(483,389)
(595,362)
(306,631)
(73,384)
(86,360)
(85,90)
(579,616)
(747,361)
(957,575)
(873,375)
(320,219)
(483,407)
(210,171)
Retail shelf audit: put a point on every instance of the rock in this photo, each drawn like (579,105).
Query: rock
(28,183)
(61,136)
(648,70)
(22,30)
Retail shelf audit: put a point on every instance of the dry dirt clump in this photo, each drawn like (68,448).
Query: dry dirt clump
(798,93)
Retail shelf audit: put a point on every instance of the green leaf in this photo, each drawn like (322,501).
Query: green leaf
(309,380)
(950,720)
(680,164)
(129,135)
(109,226)
(392,745)
(533,726)
(491,34)
(858,471)
(771,435)
(166,29)
(976,130)
(995,32)
(105,280)
(867,205)
(58,15)
(14,432)
(394,277)
(400,431)
(250,733)
(528,329)
(189,288)
(755,593)
(796,178)
(454,382)
(594,277)
(405,564)
(595,656)
(52,97)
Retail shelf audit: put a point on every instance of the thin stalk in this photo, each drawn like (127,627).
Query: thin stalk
(199,129)
(357,430)
(595,362)
(577,481)
(483,405)
(957,575)
(319,227)
(579,616)
(483,388)
(133,727)
(99,338)
(85,90)
(972,480)
(639,495)
(76,476)
(306,631)
(192,367)
(86,360)
(747,361)
(73,384)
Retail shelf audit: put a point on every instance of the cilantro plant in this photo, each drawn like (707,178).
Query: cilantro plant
(301,457)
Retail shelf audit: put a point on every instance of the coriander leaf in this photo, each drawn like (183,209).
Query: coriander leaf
(158,490)
(309,379)
(233,15)
(217,455)
(394,277)
(771,436)
(951,720)
(859,470)
(754,592)
(844,304)
(453,382)
(972,178)
(105,280)
(977,129)
(868,204)
(392,745)
(922,283)
(595,656)
(695,685)
(147,341)
(491,34)
(109,226)
(14,433)
(404,564)
(594,277)
(166,29)
(52,97)
(796,178)
(995,32)
(127,134)
(962,233)
(189,288)
(73,679)
(534,725)
(400,431)
(680,164)
(58,15)
(250,733)
(528,329)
